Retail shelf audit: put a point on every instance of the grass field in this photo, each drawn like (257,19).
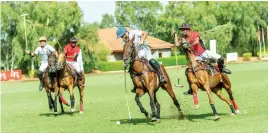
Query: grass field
(25,109)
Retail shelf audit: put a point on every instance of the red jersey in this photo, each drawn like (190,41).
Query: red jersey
(197,48)
(71,51)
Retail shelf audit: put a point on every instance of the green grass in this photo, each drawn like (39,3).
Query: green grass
(25,109)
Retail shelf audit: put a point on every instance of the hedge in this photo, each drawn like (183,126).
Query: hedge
(118,65)
(247,56)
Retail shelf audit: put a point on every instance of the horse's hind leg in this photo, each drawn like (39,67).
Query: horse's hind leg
(139,93)
(169,90)
(81,92)
(218,92)
(227,87)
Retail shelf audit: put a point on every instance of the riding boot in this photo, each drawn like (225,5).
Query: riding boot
(156,66)
(40,76)
(190,91)
(221,66)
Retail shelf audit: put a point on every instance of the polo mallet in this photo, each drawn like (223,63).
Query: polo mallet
(129,114)
(176,54)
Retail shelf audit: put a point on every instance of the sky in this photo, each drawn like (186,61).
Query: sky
(93,10)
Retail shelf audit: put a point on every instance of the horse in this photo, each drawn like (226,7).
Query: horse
(67,79)
(146,80)
(50,84)
(208,78)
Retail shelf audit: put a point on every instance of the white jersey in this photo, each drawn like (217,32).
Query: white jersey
(43,52)
(137,34)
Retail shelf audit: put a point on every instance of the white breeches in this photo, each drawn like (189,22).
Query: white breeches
(144,52)
(76,66)
(209,55)
(43,66)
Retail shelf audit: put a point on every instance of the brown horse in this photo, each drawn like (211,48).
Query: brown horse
(67,79)
(200,77)
(50,83)
(146,80)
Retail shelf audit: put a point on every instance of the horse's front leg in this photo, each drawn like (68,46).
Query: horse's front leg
(81,92)
(49,98)
(152,103)
(139,93)
(56,93)
(207,88)
(71,97)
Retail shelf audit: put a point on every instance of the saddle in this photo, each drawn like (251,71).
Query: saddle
(210,68)
(131,71)
(71,70)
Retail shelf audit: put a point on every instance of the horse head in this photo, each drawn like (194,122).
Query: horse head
(61,62)
(129,51)
(52,59)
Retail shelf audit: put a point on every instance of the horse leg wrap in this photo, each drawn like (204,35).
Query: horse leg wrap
(235,105)
(213,109)
(232,109)
(81,107)
(195,98)
(158,110)
(63,100)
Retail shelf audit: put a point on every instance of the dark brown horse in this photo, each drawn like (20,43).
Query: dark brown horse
(67,80)
(201,76)
(146,80)
(50,83)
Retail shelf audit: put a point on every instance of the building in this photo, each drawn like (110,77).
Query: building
(159,48)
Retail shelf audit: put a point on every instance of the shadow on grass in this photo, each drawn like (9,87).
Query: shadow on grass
(136,121)
(190,117)
(59,114)
(207,116)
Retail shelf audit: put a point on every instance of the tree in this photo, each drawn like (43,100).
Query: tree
(107,21)
(137,14)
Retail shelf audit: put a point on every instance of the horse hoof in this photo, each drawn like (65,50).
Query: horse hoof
(55,113)
(154,119)
(81,112)
(237,111)
(180,115)
(196,107)
(72,110)
(216,118)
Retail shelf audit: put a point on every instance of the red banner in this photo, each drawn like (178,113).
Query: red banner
(14,74)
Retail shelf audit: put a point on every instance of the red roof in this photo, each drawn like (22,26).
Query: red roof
(108,37)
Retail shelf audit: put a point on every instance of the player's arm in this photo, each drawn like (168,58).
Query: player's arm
(196,41)
(143,37)
(31,53)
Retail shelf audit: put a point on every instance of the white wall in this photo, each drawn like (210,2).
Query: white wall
(155,53)
(165,53)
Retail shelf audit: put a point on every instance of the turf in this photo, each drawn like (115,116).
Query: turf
(25,109)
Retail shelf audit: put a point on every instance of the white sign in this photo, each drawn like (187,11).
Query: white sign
(212,46)
(231,56)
